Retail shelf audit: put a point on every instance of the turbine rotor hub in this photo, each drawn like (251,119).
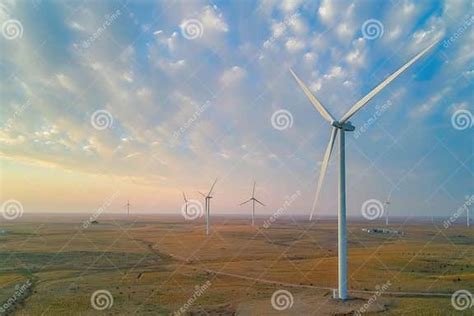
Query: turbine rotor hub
(346,126)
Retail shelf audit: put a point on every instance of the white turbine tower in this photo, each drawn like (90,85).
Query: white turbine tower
(253,199)
(207,203)
(342,126)
(387,205)
(185,204)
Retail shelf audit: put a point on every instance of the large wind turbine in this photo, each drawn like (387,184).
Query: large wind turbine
(185,204)
(342,126)
(207,200)
(253,199)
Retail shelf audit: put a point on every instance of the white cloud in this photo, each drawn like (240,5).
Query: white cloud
(295,45)
(233,75)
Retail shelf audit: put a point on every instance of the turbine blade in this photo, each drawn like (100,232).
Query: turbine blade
(203,195)
(259,202)
(253,191)
(245,202)
(210,191)
(184,196)
(324,167)
(356,107)
(321,109)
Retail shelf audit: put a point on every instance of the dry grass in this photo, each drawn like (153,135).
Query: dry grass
(153,267)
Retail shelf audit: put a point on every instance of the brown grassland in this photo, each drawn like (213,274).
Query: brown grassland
(151,265)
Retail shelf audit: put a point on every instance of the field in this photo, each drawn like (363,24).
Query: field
(161,265)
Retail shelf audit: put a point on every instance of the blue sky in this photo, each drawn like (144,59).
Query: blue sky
(186,110)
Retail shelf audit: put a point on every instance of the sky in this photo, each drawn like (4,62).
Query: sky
(141,100)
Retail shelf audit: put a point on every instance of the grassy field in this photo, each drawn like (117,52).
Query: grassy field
(153,265)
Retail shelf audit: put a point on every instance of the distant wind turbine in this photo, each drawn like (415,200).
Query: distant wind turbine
(253,199)
(128,207)
(185,204)
(207,200)
(343,126)
(387,203)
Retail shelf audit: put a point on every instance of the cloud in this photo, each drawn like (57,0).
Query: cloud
(233,75)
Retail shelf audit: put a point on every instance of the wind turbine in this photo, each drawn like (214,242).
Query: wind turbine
(128,207)
(207,200)
(468,210)
(185,204)
(387,203)
(344,125)
(253,199)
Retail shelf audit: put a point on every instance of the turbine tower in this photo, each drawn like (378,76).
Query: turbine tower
(128,207)
(253,199)
(185,204)
(387,203)
(342,126)
(207,203)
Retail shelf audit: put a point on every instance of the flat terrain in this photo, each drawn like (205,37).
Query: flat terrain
(153,265)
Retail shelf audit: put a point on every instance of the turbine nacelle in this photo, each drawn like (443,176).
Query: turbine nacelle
(346,126)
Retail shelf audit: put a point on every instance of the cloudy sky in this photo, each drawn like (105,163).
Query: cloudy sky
(146,99)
